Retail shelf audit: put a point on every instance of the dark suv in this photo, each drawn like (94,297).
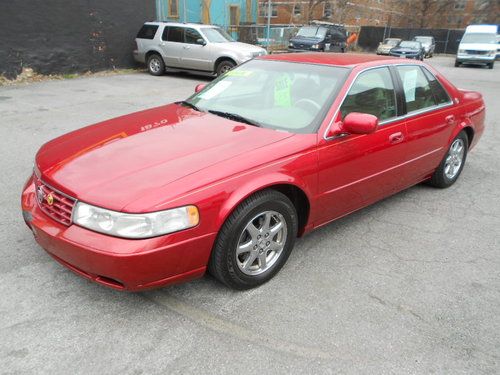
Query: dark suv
(319,36)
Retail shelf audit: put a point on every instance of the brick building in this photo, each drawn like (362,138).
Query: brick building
(396,13)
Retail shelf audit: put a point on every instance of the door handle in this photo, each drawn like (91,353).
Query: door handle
(396,138)
(450,119)
(187,47)
(163,44)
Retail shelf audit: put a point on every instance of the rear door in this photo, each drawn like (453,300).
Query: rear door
(172,45)
(356,170)
(430,120)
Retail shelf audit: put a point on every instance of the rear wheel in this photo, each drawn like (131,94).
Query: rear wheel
(452,164)
(156,66)
(255,241)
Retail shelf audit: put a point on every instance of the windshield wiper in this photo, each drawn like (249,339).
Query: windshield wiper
(189,104)
(236,117)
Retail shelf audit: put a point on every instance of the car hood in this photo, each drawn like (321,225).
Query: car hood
(405,49)
(239,47)
(118,161)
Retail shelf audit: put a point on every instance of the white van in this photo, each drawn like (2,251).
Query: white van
(478,46)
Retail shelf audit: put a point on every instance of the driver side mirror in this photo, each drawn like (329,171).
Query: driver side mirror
(199,87)
(201,41)
(359,123)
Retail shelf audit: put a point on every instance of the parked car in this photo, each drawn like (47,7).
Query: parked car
(478,46)
(319,36)
(227,179)
(384,48)
(408,49)
(428,43)
(190,47)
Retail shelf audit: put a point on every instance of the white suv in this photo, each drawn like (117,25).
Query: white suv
(190,47)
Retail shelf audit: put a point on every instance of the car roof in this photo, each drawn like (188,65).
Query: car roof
(334,59)
(185,24)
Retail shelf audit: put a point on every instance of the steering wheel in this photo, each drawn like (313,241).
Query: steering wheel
(309,103)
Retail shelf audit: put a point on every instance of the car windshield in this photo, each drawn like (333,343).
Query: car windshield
(280,95)
(479,38)
(391,42)
(423,39)
(408,44)
(216,35)
(312,32)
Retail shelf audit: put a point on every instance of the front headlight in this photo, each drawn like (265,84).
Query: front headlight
(492,53)
(120,224)
(315,46)
(290,44)
(461,51)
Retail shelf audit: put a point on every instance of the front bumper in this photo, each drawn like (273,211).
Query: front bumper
(117,262)
(475,59)
(407,56)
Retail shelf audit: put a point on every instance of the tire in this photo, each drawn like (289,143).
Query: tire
(246,270)
(442,177)
(491,65)
(156,65)
(224,66)
(457,64)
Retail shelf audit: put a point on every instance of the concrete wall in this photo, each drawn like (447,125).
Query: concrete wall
(61,36)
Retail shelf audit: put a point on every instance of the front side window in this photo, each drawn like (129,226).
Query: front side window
(281,95)
(373,93)
(174,34)
(416,87)
(192,36)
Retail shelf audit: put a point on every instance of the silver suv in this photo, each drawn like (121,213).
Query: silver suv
(190,47)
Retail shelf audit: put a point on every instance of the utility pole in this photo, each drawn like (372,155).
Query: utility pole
(269,7)
(184,10)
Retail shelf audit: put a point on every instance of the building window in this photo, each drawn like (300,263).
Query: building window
(327,10)
(297,10)
(460,5)
(234,15)
(173,8)
(263,10)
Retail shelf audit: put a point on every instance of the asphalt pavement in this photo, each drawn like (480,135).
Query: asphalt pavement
(408,285)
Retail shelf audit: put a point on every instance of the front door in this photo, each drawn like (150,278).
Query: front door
(195,56)
(356,170)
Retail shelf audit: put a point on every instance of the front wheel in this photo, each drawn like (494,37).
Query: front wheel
(224,67)
(491,65)
(457,64)
(255,241)
(452,164)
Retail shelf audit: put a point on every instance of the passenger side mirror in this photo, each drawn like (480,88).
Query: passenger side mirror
(201,41)
(359,123)
(199,87)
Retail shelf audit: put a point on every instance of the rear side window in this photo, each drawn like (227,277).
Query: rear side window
(147,32)
(173,34)
(418,92)
(440,94)
(373,93)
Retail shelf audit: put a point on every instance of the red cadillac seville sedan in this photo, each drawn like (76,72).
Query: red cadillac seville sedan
(227,179)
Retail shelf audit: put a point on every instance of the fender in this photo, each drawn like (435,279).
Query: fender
(225,56)
(157,50)
(253,185)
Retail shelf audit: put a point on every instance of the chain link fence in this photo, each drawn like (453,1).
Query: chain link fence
(277,40)
(447,40)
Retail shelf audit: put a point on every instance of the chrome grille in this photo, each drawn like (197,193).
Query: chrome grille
(53,203)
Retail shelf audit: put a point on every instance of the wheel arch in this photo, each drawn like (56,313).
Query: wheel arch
(293,189)
(223,58)
(152,52)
